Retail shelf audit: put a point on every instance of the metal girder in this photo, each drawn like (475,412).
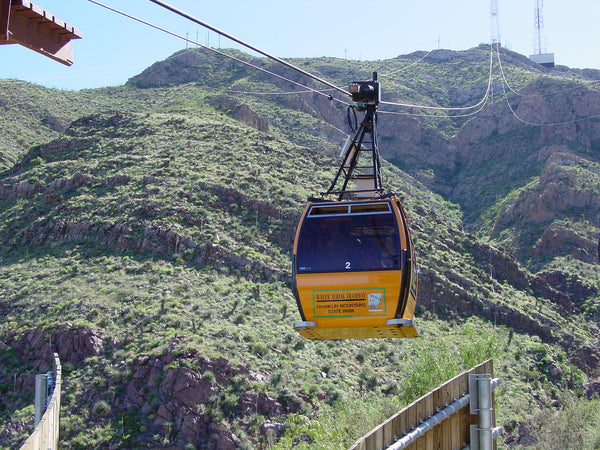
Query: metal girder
(25,23)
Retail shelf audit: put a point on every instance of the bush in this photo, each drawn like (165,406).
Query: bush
(574,426)
(101,408)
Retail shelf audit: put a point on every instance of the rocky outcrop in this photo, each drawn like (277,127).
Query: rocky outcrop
(27,189)
(155,237)
(178,393)
(504,267)
(263,209)
(559,239)
(139,236)
(239,111)
(447,298)
(195,65)
(558,192)
(587,358)
(571,285)
(73,344)
(592,390)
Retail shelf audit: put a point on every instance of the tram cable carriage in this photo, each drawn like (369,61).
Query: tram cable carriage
(353,262)
(353,271)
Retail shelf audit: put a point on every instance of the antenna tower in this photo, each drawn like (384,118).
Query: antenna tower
(495,23)
(539,52)
(540,46)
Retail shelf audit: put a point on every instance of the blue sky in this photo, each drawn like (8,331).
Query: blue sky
(115,48)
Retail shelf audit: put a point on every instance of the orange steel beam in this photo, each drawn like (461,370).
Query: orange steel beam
(23,22)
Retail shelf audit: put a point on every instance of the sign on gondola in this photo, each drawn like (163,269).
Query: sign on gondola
(349,302)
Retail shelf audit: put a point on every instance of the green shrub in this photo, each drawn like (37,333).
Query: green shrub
(102,408)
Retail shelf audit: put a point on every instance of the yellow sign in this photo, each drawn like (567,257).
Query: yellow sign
(349,302)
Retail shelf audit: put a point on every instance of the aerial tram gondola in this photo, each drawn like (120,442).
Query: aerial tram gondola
(354,268)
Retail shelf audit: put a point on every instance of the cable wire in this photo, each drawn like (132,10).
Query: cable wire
(400,113)
(235,91)
(536,95)
(456,108)
(480,105)
(210,49)
(541,124)
(251,47)
(402,69)
(308,90)
(534,124)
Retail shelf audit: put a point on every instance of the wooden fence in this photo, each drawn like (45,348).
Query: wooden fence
(45,435)
(452,433)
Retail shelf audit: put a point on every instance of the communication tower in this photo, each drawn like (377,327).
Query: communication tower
(495,23)
(539,53)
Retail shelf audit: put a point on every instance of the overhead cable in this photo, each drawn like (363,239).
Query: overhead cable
(401,113)
(306,91)
(236,91)
(285,63)
(316,91)
(455,108)
(541,124)
(251,47)
(537,95)
(534,124)
(402,69)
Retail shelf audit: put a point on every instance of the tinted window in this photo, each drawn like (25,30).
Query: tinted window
(347,242)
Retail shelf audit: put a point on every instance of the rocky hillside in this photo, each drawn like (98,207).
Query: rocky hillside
(147,231)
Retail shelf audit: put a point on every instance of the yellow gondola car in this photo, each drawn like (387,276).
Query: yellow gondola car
(354,270)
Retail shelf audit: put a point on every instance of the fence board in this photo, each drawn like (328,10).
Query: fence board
(452,433)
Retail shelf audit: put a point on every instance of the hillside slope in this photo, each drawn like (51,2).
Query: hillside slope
(148,241)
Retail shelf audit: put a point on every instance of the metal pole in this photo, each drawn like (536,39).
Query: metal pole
(41,394)
(427,425)
(496,433)
(484,393)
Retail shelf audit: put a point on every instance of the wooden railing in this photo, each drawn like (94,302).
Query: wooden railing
(453,430)
(45,435)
